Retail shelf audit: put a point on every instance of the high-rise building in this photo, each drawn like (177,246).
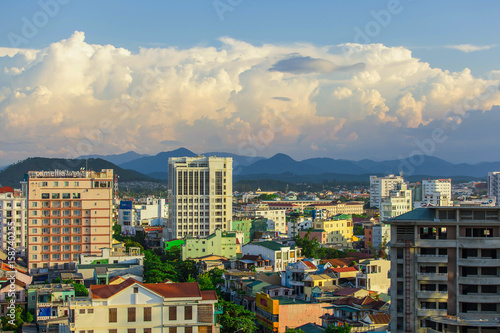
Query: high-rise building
(494,185)
(380,187)
(437,192)
(69,213)
(445,271)
(397,202)
(13,226)
(200,195)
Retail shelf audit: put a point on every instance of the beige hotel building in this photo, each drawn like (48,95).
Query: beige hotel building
(69,213)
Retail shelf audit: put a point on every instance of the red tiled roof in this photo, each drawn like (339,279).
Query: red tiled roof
(167,290)
(380,318)
(334,262)
(6,189)
(209,295)
(310,265)
(343,269)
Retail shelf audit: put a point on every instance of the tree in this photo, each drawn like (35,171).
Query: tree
(205,282)
(293,330)
(236,318)
(80,289)
(15,322)
(338,329)
(358,230)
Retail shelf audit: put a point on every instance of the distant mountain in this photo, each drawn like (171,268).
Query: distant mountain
(278,164)
(117,158)
(156,163)
(238,160)
(13,174)
(291,178)
(417,165)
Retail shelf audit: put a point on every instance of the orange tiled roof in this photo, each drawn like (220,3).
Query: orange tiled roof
(380,318)
(310,265)
(343,269)
(6,189)
(167,290)
(209,295)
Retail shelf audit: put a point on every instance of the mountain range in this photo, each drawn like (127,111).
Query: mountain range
(248,167)
(133,166)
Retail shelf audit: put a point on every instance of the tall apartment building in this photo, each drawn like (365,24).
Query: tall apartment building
(69,213)
(494,185)
(445,270)
(200,195)
(380,187)
(396,203)
(12,215)
(437,192)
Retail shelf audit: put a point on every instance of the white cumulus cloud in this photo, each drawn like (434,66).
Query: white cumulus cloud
(74,98)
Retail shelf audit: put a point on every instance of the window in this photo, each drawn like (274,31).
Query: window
(114,330)
(188,330)
(147,330)
(136,290)
(131,315)
(188,312)
(82,311)
(172,330)
(147,314)
(172,313)
(90,310)
(112,315)
(131,330)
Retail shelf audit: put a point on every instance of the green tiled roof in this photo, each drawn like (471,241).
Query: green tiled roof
(286,300)
(272,245)
(422,214)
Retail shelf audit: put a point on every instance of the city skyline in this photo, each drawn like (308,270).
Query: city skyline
(381,80)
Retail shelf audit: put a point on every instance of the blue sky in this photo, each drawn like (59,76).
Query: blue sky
(432,44)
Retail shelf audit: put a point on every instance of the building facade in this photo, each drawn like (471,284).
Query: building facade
(69,213)
(445,274)
(396,203)
(380,187)
(276,218)
(221,243)
(135,307)
(200,196)
(13,219)
(494,185)
(278,255)
(339,231)
(374,275)
(437,192)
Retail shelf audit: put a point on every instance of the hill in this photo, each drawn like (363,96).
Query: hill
(14,173)
(117,158)
(156,163)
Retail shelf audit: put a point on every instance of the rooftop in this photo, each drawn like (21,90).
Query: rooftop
(272,245)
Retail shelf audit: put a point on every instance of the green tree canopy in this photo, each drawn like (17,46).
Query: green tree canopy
(236,318)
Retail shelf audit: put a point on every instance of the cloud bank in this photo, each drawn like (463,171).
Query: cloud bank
(467,48)
(349,101)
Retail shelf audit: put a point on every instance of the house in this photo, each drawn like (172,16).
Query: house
(254,262)
(278,254)
(145,307)
(220,243)
(374,275)
(275,314)
(318,280)
(295,273)
(6,288)
(352,311)
(49,301)
(343,272)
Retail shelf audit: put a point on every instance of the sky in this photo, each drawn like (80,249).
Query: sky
(342,79)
